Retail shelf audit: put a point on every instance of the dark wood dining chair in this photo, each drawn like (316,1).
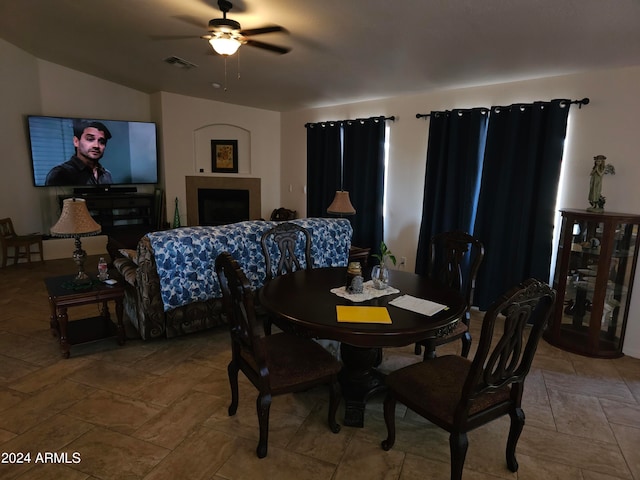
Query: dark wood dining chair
(455,258)
(458,394)
(285,237)
(359,254)
(21,244)
(275,364)
(279,248)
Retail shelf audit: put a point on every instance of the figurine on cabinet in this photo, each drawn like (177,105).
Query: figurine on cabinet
(599,170)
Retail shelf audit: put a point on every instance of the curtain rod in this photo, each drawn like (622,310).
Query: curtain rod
(580,103)
(392,118)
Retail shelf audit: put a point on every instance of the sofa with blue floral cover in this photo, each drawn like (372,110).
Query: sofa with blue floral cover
(171,287)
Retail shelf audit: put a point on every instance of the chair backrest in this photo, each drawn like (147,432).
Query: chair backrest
(283,214)
(282,240)
(238,304)
(454,261)
(6,228)
(509,361)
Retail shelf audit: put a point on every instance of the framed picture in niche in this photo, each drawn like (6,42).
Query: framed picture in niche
(224,156)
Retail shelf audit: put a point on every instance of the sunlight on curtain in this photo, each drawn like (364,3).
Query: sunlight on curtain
(387,134)
(557,223)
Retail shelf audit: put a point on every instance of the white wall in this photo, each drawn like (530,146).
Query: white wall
(183,117)
(33,86)
(19,95)
(608,126)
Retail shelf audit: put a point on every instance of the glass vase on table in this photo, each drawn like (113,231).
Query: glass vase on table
(380,272)
(380,276)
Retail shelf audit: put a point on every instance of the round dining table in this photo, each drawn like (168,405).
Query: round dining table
(302,302)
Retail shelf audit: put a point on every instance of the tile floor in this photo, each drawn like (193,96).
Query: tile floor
(158,410)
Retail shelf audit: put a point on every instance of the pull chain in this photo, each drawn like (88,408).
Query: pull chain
(225,73)
(225,69)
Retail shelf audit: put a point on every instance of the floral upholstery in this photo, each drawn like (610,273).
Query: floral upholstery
(173,289)
(185,257)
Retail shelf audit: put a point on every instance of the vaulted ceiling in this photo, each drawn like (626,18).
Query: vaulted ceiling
(341,50)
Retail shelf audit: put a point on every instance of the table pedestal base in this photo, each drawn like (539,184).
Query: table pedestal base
(359,381)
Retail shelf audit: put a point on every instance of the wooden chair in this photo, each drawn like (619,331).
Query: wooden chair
(458,394)
(280,243)
(275,364)
(283,214)
(454,261)
(9,239)
(285,236)
(359,254)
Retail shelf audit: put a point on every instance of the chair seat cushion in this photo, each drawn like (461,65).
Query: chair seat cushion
(295,360)
(434,388)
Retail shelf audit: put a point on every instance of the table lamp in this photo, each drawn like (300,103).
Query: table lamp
(75,222)
(341,204)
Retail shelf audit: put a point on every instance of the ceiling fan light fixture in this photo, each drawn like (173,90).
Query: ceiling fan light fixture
(225,44)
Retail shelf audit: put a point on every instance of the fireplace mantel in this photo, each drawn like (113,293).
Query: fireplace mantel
(222,183)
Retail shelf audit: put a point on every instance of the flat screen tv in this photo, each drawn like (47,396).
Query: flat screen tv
(130,155)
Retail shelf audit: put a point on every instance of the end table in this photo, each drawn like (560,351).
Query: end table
(64,294)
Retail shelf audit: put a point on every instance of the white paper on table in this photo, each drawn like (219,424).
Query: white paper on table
(418,305)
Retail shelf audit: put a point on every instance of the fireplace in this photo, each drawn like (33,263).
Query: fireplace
(222,200)
(219,206)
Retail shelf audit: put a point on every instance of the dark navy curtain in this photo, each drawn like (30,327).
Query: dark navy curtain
(452,179)
(323,166)
(516,206)
(363,176)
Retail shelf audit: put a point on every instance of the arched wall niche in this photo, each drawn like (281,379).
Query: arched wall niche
(202,145)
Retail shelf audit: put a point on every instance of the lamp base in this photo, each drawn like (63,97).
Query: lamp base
(79,256)
(82,280)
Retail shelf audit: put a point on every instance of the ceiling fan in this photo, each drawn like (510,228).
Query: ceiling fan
(226,35)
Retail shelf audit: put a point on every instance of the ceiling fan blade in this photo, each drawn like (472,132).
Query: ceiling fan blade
(259,31)
(196,22)
(268,46)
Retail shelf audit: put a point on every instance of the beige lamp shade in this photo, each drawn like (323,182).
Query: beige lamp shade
(341,204)
(75,220)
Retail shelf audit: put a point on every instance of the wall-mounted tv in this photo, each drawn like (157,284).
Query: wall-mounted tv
(120,152)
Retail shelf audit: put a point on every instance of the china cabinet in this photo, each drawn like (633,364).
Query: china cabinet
(594,273)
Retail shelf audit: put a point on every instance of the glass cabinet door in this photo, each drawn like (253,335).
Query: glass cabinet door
(594,275)
(586,244)
(619,280)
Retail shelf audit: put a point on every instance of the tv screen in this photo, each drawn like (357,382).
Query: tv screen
(84,152)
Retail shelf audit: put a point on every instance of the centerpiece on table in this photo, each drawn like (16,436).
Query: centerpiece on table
(380,272)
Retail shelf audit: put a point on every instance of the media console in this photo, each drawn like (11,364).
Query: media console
(103,189)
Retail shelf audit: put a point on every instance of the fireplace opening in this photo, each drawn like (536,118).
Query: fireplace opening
(222,206)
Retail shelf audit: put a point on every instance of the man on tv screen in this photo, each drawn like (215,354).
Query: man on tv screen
(89,139)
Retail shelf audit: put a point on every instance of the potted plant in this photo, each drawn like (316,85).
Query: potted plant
(380,273)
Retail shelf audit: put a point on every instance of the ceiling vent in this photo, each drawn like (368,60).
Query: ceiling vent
(180,63)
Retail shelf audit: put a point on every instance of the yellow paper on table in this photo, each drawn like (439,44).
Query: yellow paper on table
(356,314)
